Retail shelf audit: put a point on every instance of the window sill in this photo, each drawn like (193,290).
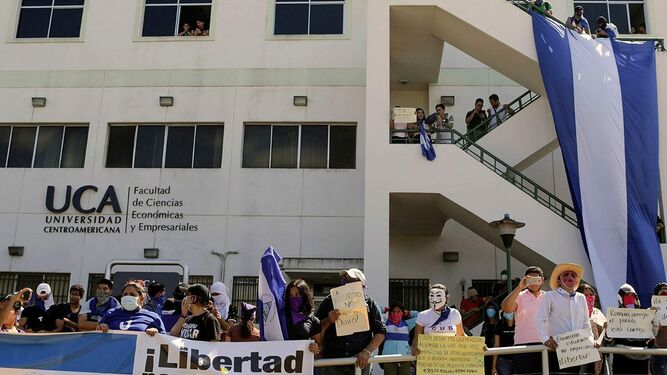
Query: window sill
(273,37)
(45,40)
(187,39)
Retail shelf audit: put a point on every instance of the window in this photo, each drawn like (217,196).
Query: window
(50,19)
(412,293)
(625,14)
(206,280)
(45,146)
(176,17)
(160,146)
(300,146)
(309,17)
(11,282)
(245,289)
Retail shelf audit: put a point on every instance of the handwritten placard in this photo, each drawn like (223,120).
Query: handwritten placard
(403,114)
(350,301)
(440,354)
(576,348)
(660,303)
(630,323)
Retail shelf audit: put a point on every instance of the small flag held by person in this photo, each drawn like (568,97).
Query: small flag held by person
(427,146)
(271,301)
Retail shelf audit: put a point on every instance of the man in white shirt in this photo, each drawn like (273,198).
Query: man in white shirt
(497,113)
(562,310)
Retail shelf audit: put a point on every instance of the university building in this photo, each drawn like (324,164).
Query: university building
(126,135)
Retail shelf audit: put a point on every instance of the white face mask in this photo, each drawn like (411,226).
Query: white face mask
(503,277)
(437,299)
(129,303)
(219,299)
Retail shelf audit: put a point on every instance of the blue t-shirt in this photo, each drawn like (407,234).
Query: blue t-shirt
(138,320)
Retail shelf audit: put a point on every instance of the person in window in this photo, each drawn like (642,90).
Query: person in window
(196,322)
(65,316)
(578,22)
(33,318)
(244,330)
(302,324)
(629,363)
(659,362)
(440,319)
(542,7)
(186,30)
(606,29)
(130,316)
(400,322)
(201,29)
(503,337)
(9,308)
(94,309)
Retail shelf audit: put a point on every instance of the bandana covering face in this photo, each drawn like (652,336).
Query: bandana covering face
(395,317)
(590,301)
(221,300)
(629,301)
(102,298)
(295,309)
(437,298)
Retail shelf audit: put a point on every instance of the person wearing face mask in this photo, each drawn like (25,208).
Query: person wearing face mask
(156,298)
(489,332)
(562,310)
(399,324)
(659,362)
(503,337)
(598,324)
(195,321)
(471,308)
(220,299)
(440,319)
(130,316)
(34,317)
(94,309)
(301,323)
(629,363)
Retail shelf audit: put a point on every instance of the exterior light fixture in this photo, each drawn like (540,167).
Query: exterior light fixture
(507,228)
(15,251)
(300,101)
(166,101)
(151,253)
(447,100)
(38,102)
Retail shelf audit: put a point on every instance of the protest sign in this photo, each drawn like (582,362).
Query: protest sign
(439,354)
(576,348)
(402,114)
(350,301)
(630,323)
(660,303)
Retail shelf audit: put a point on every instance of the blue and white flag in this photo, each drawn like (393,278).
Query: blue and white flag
(603,97)
(271,300)
(427,146)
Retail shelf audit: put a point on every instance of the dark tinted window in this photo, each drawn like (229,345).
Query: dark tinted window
(308,17)
(46,19)
(343,147)
(47,153)
(21,147)
(284,144)
(314,140)
(74,147)
(159,21)
(180,141)
(121,146)
(150,142)
(166,17)
(256,146)
(208,146)
(618,15)
(5,132)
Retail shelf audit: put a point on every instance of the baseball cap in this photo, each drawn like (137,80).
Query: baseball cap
(200,291)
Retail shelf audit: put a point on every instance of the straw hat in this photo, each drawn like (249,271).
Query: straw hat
(579,270)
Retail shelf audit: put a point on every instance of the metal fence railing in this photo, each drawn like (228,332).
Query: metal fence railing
(518,349)
(500,117)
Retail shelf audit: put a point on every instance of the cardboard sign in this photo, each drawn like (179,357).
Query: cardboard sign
(402,114)
(440,354)
(350,301)
(576,348)
(660,303)
(630,323)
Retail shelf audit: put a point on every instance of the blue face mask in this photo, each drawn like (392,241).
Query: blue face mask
(161,299)
(491,313)
(509,316)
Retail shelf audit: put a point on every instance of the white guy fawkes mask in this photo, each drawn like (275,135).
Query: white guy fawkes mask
(437,298)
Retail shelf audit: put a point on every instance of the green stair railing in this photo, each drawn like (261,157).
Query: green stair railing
(517,105)
(526,6)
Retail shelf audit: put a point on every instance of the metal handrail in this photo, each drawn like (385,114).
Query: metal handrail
(527,7)
(518,349)
(481,128)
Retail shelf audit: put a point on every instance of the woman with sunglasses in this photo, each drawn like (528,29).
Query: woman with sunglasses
(9,308)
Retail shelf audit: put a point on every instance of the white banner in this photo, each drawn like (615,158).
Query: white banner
(168,355)
(660,304)
(630,323)
(576,348)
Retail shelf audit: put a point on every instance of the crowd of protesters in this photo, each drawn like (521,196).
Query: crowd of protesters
(526,315)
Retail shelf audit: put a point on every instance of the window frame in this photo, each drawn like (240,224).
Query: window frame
(607,3)
(35,142)
(17,16)
(139,25)
(298,146)
(164,143)
(271,22)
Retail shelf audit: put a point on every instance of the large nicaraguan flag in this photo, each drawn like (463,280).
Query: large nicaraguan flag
(603,97)
(271,300)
